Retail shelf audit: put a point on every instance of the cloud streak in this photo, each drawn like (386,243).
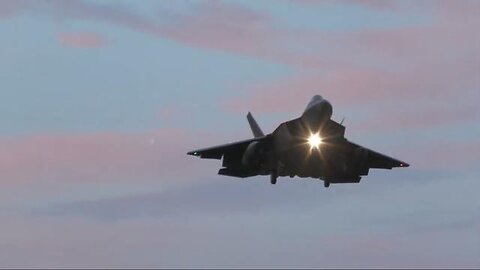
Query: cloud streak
(329,223)
(81,40)
(423,76)
(95,158)
(214,25)
(418,77)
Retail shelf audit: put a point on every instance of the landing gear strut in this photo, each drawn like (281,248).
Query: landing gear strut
(326,184)
(273,177)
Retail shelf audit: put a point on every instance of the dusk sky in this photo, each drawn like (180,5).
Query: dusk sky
(101,100)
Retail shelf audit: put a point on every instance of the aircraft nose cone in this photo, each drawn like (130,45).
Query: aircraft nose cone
(316,98)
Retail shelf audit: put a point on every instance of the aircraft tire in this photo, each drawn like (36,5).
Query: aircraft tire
(273,178)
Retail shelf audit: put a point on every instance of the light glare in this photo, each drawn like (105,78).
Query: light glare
(314,140)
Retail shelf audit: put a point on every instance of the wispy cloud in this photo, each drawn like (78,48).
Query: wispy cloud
(81,40)
(12,7)
(212,198)
(428,74)
(328,222)
(215,25)
(378,4)
(422,76)
(97,157)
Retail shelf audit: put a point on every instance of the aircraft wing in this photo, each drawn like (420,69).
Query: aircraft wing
(231,149)
(334,129)
(380,161)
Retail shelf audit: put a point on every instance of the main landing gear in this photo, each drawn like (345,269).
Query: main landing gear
(273,178)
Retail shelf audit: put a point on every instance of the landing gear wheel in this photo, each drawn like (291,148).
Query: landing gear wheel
(273,178)
(326,184)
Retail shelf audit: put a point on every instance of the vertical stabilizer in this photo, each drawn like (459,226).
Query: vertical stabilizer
(257,132)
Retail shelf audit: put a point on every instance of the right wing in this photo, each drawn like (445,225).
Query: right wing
(231,149)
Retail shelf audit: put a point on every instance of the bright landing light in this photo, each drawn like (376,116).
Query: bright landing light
(314,140)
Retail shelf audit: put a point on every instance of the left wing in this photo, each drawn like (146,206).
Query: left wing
(231,149)
(380,161)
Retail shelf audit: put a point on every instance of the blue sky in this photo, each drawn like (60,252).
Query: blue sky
(100,101)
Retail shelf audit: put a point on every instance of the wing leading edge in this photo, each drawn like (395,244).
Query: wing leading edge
(216,152)
(380,161)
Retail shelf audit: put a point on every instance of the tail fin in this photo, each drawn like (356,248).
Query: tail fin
(257,132)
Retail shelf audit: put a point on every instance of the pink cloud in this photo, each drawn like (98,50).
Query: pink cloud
(376,4)
(213,25)
(11,7)
(103,157)
(387,102)
(171,113)
(81,40)
(356,86)
(395,120)
(411,65)
(411,68)
(292,93)
(427,74)
(234,28)
(442,154)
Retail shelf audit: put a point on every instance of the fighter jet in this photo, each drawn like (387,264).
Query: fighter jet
(312,145)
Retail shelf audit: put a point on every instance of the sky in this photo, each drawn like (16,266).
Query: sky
(101,100)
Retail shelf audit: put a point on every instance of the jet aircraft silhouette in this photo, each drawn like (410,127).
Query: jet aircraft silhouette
(312,145)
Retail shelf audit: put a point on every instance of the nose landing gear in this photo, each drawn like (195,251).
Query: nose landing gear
(326,183)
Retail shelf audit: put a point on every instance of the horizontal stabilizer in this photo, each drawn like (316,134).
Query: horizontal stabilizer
(236,172)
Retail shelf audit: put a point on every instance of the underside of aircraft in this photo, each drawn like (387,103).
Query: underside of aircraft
(312,145)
